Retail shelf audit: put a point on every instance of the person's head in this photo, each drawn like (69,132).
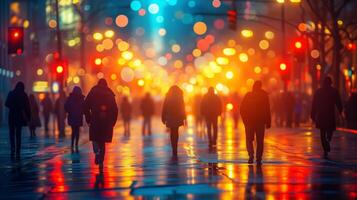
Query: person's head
(174,91)
(77,90)
(20,86)
(210,91)
(327,82)
(102,82)
(257,85)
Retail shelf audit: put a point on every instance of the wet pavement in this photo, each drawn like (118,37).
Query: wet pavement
(141,167)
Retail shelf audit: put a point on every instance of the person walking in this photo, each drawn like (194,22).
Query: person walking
(19,115)
(324,102)
(61,113)
(256,116)
(351,111)
(173,115)
(35,115)
(235,111)
(47,107)
(101,114)
(74,107)
(211,109)
(147,107)
(125,110)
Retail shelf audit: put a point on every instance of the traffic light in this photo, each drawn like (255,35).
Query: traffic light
(59,70)
(351,46)
(284,70)
(299,50)
(232,19)
(15,40)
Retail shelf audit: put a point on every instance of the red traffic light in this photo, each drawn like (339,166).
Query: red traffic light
(232,19)
(351,46)
(15,40)
(298,45)
(282,66)
(59,69)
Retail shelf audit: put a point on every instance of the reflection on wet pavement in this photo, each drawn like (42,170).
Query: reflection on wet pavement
(139,166)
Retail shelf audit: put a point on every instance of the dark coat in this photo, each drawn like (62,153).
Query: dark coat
(147,107)
(35,114)
(74,107)
(101,113)
(255,109)
(125,110)
(173,112)
(211,106)
(323,107)
(47,106)
(19,107)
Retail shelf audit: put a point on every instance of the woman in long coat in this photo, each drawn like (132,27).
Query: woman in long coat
(125,110)
(173,114)
(74,108)
(35,115)
(101,114)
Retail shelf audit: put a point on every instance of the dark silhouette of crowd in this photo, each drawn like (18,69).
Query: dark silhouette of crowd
(100,111)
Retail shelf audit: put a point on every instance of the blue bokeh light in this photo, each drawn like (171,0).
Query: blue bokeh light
(154,8)
(135,5)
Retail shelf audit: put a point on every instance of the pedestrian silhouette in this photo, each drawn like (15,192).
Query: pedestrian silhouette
(101,114)
(288,105)
(351,111)
(61,113)
(35,116)
(125,110)
(19,115)
(74,107)
(211,109)
(147,107)
(324,102)
(256,116)
(174,115)
(47,107)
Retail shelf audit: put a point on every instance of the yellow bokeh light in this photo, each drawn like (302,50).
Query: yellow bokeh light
(229,75)
(99,48)
(340,22)
(113,77)
(200,28)
(98,61)
(76,79)
(52,23)
(39,72)
(176,48)
(229,106)
(196,52)
(280,1)
(108,44)
(121,61)
(247,33)
(26,24)
(222,61)
(178,64)
(141,82)
(97,36)
(243,57)
(264,44)
(109,33)
(269,35)
(127,55)
(123,46)
(257,70)
(229,51)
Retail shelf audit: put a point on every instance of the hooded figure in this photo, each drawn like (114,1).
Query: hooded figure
(74,107)
(101,113)
(173,114)
(19,115)
(256,116)
(211,109)
(324,102)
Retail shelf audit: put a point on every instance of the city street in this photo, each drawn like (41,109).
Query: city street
(140,167)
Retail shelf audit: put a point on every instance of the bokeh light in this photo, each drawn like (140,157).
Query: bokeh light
(154,8)
(135,5)
(121,21)
(243,57)
(200,28)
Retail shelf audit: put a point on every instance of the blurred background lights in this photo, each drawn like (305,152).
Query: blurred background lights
(97,36)
(229,75)
(109,33)
(135,5)
(121,21)
(243,57)
(247,33)
(154,8)
(264,44)
(127,74)
(200,28)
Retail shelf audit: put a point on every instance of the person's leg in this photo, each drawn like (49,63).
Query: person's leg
(149,125)
(329,135)
(209,132)
(324,141)
(215,130)
(72,138)
(174,140)
(259,131)
(12,139)
(18,130)
(101,155)
(144,125)
(96,152)
(76,137)
(249,139)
